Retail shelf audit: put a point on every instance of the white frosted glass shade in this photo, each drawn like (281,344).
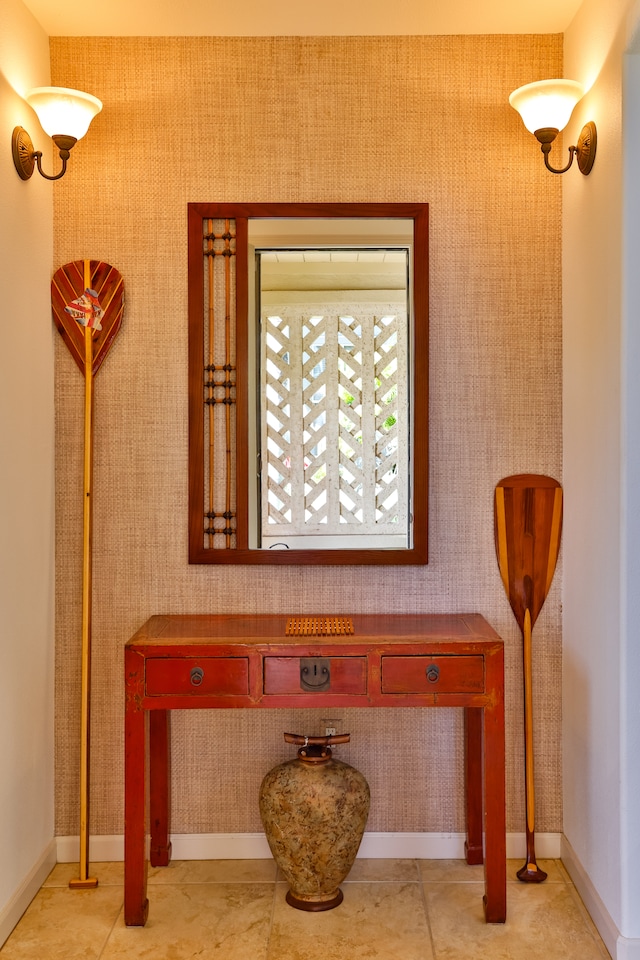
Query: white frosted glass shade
(547,103)
(63,111)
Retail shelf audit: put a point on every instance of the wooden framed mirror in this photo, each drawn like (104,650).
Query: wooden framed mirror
(308,383)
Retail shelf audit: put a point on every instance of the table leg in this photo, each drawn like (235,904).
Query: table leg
(136,905)
(473,782)
(495,854)
(159,787)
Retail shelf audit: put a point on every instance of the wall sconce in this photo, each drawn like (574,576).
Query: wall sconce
(65,115)
(545,108)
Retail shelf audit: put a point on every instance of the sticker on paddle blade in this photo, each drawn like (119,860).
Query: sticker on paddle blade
(86,310)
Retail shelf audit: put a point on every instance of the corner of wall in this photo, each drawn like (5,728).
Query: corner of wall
(26,484)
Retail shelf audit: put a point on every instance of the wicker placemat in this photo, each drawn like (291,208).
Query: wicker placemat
(319,626)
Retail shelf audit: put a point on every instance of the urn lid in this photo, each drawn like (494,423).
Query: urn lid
(315,749)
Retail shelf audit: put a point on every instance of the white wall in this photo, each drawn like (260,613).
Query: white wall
(601,726)
(26,482)
(630,665)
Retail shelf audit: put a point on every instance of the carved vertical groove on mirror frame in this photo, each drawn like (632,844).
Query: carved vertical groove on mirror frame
(220,372)
(222,535)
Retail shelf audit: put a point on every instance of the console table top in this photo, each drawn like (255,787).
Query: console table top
(271,629)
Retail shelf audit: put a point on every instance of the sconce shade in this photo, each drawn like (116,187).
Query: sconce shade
(62,111)
(546,103)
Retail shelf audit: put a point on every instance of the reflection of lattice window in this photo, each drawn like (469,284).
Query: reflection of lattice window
(335,430)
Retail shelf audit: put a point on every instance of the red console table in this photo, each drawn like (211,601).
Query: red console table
(238,661)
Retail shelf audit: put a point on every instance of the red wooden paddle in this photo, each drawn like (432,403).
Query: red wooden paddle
(87,300)
(528,524)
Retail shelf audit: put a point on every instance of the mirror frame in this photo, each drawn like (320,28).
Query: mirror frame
(242,213)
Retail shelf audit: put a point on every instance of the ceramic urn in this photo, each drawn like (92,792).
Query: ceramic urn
(314,810)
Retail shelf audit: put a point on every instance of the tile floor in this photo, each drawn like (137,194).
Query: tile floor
(236,910)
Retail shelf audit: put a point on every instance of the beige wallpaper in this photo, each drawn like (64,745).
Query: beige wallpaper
(351,119)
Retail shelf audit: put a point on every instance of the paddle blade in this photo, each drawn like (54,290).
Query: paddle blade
(527,527)
(68,286)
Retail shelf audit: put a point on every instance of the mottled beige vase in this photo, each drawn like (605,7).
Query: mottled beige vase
(314,810)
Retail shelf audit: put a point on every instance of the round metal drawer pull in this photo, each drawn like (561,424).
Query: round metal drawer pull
(197,676)
(433,673)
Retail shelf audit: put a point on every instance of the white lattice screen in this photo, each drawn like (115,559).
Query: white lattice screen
(335,426)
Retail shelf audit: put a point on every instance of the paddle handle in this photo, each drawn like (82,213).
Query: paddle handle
(84,880)
(530,872)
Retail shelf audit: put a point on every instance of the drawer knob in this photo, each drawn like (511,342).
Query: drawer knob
(433,673)
(197,676)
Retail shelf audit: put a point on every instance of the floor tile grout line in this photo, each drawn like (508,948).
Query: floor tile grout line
(260,882)
(273,913)
(587,919)
(570,887)
(111,930)
(425,907)
(207,883)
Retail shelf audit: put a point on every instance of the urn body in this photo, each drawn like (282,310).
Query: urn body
(314,813)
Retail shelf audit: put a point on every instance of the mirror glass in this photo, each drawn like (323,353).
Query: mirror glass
(308,383)
(333,368)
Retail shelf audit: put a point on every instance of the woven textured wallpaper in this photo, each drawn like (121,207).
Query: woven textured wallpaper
(291,119)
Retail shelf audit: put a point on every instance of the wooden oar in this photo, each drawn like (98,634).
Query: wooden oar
(87,299)
(528,525)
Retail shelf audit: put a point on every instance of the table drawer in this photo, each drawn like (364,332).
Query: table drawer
(197,676)
(448,674)
(345,675)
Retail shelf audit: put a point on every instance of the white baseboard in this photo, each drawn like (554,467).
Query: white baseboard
(620,948)
(13,910)
(547,846)
(254,846)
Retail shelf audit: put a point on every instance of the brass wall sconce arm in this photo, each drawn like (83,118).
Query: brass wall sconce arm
(584,152)
(26,158)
